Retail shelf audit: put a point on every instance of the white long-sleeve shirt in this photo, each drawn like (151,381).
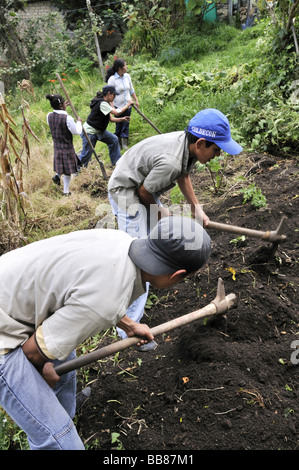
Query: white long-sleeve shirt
(124,87)
(74,127)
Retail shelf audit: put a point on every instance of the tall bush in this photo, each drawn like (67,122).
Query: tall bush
(49,47)
(149,21)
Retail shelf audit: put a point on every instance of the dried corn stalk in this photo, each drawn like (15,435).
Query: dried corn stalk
(11,163)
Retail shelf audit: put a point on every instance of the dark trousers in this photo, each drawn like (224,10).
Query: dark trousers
(122,128)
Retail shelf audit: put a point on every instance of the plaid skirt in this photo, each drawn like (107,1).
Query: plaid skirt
(65,162)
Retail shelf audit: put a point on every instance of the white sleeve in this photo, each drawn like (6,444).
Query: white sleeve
(74,127)
(111,81)
(71,325)
(131,85)
(105,108)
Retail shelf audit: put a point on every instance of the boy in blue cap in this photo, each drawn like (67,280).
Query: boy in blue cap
(153,166)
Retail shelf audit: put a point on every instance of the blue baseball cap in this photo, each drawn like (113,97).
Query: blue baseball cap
(213,125)
(174,243)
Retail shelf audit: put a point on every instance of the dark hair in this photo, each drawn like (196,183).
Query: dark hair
(117,64)
(194,138)
(55,100)
(100,94)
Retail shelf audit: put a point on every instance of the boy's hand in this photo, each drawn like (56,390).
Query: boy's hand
(143,331)
(133,328)
(41,363)
(49,374)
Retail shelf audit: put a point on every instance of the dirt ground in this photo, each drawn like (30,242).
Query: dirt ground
(229,383)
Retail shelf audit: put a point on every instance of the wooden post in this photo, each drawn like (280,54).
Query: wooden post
(294,36)
(230,10)
(96,40)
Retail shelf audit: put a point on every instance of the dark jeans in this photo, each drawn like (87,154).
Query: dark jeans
(108,138)
(45,414)
(122,128)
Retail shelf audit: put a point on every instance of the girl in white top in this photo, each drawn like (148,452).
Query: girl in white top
(118,77)
(63,127)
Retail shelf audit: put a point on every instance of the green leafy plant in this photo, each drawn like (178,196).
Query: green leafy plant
(288,411)
(238,240)
(152,300)
(216,169)
(115,440)
(11,436)
(147,22)
(254,195)
(176,195)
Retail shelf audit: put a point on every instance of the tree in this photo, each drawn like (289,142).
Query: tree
(93,21)
(283,13)
(10,41)
(75,11)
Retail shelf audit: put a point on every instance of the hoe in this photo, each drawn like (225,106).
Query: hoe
(219,305)
(274,236)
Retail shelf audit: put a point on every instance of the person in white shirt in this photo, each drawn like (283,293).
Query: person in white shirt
(118,77)
(57,292)
(63,127)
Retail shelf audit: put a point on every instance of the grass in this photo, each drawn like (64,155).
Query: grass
(49,212)
(218,46)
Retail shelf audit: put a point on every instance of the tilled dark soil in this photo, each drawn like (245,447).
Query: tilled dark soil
(228,383)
